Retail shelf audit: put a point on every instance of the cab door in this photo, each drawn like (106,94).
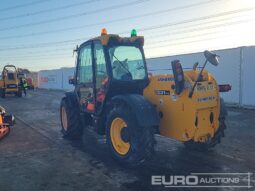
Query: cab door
(84,78)
(101,76)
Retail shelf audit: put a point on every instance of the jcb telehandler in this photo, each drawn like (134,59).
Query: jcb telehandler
(9,84)
(5,122)
(114,94)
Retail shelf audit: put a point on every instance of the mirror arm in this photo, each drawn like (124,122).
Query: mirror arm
(193,88)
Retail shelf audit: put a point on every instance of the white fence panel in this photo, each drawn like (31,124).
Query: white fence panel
(228,72)
(67,74)
(50,79)
(248,76)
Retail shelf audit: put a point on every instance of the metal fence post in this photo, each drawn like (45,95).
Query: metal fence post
(241,78)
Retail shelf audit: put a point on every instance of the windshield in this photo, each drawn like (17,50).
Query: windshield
(127,63)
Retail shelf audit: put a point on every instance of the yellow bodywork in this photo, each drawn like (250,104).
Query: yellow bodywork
(184,118)
(4,84)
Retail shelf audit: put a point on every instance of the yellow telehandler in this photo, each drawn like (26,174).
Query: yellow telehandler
(115,95)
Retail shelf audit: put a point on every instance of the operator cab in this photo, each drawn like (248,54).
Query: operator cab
(9,73)
(109,65)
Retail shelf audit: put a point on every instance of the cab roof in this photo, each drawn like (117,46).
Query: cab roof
(107,39)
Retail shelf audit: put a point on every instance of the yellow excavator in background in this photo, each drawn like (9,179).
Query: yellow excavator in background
(9,84)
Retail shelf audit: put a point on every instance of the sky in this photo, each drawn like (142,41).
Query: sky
(41,34)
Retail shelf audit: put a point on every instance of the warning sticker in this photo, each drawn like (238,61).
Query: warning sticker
(174,97)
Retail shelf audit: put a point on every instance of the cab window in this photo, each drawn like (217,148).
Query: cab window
(84,73)
(127,63)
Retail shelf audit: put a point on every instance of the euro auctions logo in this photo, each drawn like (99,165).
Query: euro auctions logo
(213,180)
(170,181)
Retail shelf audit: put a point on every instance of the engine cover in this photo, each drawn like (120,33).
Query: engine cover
(181,117)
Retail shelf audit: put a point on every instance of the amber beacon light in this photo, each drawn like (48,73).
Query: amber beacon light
(103,31)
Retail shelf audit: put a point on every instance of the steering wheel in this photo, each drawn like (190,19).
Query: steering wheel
(121,63)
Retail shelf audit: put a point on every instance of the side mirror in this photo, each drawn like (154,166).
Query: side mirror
(212,58)
(178,76)
(71,81)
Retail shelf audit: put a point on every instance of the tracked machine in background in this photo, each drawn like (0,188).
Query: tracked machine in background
(114,94)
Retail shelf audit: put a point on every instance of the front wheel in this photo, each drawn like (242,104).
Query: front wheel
(70,120)
(128,142)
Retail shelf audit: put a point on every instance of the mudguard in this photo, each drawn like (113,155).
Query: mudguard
(144,111)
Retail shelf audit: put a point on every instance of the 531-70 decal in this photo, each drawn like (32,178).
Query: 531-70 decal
(162,92)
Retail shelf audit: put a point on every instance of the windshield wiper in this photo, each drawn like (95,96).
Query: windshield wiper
(122,65)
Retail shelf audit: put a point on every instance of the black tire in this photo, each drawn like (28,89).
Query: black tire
(198,146)
(141,139)
(73,130)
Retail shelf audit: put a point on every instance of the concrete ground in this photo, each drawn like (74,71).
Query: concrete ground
(36,157)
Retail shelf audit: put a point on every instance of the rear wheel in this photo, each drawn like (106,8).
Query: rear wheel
(129,143)
(70,120)
(117,134)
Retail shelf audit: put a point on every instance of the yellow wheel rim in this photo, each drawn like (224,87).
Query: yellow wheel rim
(118,143)
(64,118)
